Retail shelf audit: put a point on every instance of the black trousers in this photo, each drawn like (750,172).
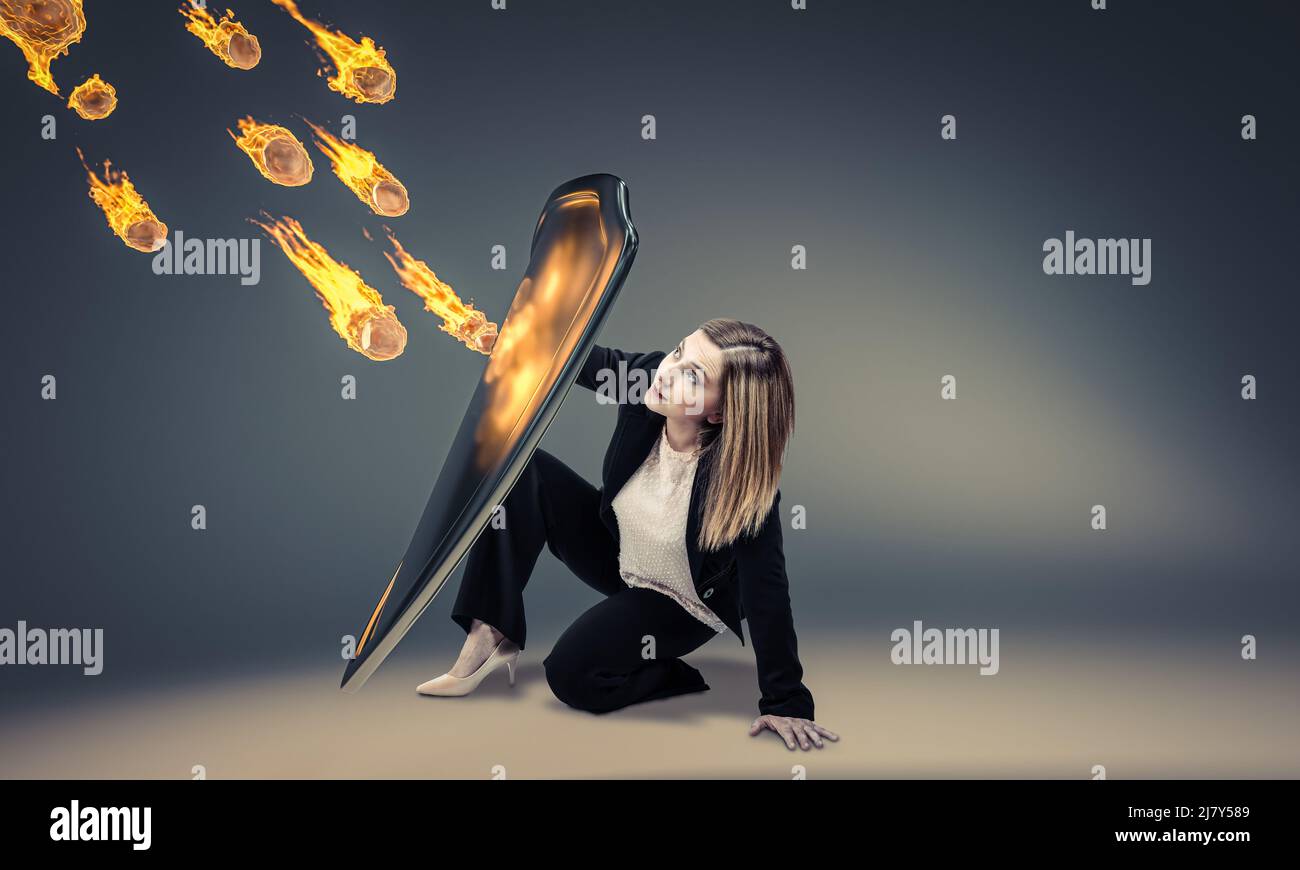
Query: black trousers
(624,650)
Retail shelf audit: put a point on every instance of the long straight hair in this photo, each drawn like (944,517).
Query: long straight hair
(744,453)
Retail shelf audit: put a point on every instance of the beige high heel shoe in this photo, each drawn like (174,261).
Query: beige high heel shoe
(447,686)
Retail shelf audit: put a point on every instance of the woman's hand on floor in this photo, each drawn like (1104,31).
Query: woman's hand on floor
(807,732)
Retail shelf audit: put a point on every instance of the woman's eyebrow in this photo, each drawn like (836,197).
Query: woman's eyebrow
(701,369)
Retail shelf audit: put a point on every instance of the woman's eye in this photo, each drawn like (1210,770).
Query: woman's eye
(677,352)
(695,379)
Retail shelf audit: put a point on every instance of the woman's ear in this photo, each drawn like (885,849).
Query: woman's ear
(715,418)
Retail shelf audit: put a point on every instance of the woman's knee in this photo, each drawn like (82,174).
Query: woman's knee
(541,465)
(570,682)
(530,487)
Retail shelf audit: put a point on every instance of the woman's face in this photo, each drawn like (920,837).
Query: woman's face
(688,381)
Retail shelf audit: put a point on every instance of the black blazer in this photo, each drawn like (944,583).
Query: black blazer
(743,581)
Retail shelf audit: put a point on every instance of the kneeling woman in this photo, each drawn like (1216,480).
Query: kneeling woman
(683,538)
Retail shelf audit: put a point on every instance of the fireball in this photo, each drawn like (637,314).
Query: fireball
(227,38)
(129,216)
(276,152)
(356,310)
(459,319)
(364,174)
(43,30)
(362,73)
(93,99)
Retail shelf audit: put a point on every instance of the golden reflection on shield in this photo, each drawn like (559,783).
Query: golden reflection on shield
(545,322)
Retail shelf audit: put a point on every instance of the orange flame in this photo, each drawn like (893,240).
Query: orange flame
(129,216)
(358,169)
(93,99)
(43,29)
(227,38)
(275,151)
(361,71)
(459,319)
(357,311)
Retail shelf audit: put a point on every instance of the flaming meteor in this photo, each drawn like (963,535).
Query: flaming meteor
(357,311)
(227,38)
(43,29)
(361,71)
(275,151)
(129,216)
(358,169)
(459,319)
(93,99)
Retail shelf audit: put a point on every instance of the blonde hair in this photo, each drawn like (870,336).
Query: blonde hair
(743,454)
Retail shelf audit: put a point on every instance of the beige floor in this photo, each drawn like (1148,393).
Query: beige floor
(1051,712)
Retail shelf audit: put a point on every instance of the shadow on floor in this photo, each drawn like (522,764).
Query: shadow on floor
(733,691)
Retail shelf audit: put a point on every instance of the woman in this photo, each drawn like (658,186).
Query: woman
(683,538)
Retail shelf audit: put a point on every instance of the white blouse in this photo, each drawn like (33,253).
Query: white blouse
(652,510)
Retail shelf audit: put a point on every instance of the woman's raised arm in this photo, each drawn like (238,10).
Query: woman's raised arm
(614,363)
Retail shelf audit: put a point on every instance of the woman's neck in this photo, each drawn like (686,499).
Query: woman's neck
(683,434)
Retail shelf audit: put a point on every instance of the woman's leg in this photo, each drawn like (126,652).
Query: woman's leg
(625,650)
(552,506)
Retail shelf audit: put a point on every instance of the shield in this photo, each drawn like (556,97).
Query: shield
(583,247)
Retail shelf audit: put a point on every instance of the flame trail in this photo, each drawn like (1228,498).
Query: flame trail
(361,71)
(227,38)
(129,216)
(93,99)
(275,151)
(358,169)
(357,311)
(43,29)
(459,319)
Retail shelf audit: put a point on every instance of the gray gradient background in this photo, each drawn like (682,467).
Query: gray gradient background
(775,128)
